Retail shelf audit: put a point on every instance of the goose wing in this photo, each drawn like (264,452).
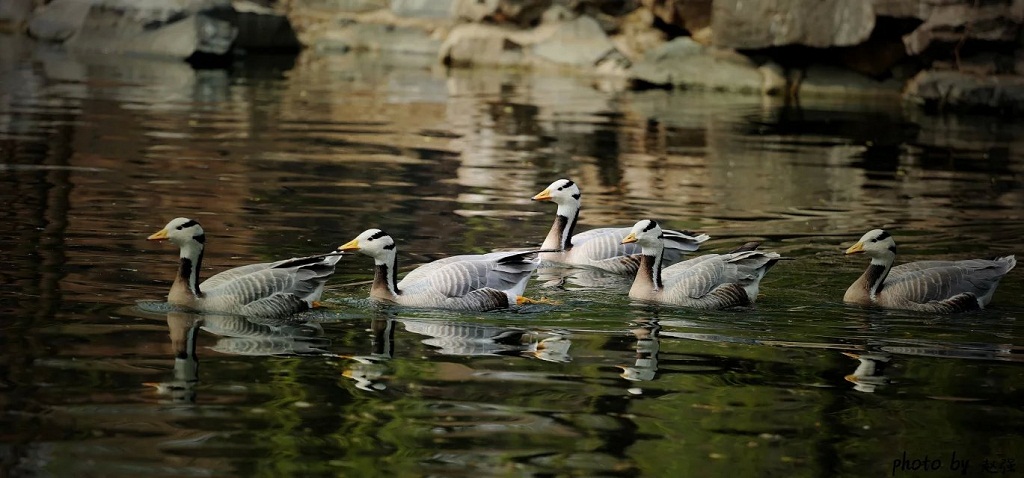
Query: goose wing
(604,247)
(697,277)
(458,276)
(271,289)
(928,281)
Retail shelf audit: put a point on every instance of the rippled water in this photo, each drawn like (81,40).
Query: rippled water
(284,157)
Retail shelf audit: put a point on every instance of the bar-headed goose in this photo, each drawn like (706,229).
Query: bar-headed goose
(273,289)
(930,286)
(467,282)
(710,281)
(600,248)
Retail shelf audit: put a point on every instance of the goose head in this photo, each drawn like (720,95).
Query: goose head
(372,242)
(647,233)
(563,192)
(877,244)
(183,232)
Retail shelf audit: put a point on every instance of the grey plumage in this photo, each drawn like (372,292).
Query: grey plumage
(710,281)
(928,286)
(274,289)
(600,248)
(465,282)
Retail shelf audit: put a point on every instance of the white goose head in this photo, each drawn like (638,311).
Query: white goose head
(182,232)
(647,233)
(563,192)
(372,242)
(877,244)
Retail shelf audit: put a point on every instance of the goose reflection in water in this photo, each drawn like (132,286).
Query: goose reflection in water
(237,336)
(647,344)
(370,371)
(452,338)
(183,327)
(561,277)
(870,371)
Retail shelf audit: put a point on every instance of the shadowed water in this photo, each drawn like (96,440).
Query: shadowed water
(288,157)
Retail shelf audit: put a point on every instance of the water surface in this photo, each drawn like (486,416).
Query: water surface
(279,157)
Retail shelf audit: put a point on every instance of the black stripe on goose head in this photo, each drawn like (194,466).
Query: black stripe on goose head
(650,225)
(881,236)
(190,223)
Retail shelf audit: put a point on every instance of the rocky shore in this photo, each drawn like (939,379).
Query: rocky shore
(945,55)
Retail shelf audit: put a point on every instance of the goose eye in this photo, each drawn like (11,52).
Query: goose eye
(179,228)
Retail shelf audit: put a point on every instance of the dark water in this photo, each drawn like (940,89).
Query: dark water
(287,157)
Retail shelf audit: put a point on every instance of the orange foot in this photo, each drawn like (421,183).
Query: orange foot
(521,300)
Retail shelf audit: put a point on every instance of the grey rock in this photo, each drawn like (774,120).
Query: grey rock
(147,27)
(818,23)
(351,6)
(951,21)
(685,63)
(580,42)
(475,44)
(379,37)
(828,80)
(522,13)
(14,14)
(692,15)
(422,8)
(955,91)
(58,20)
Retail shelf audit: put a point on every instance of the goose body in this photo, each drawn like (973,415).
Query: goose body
(928,286)
(273,289)
(600,248)
(710,281)
(466,282)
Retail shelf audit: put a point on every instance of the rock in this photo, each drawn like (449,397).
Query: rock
(692,15)
(423,8)
(14,14)
(955,91)
(683,62)
(829,80)
(774,81)
(58,20)
(817,23)
(380,37)
(953,20)
(148,27)
(475,44)
(580,43)
(638,35)
(350,6)
(262,28)
(523,13)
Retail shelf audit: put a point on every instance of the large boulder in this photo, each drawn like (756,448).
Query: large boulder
(684,63)
(14,14)
(692,15)
(955,91)
(148,27)
(522,13)
(578,43)
(745,24)
(954,21)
